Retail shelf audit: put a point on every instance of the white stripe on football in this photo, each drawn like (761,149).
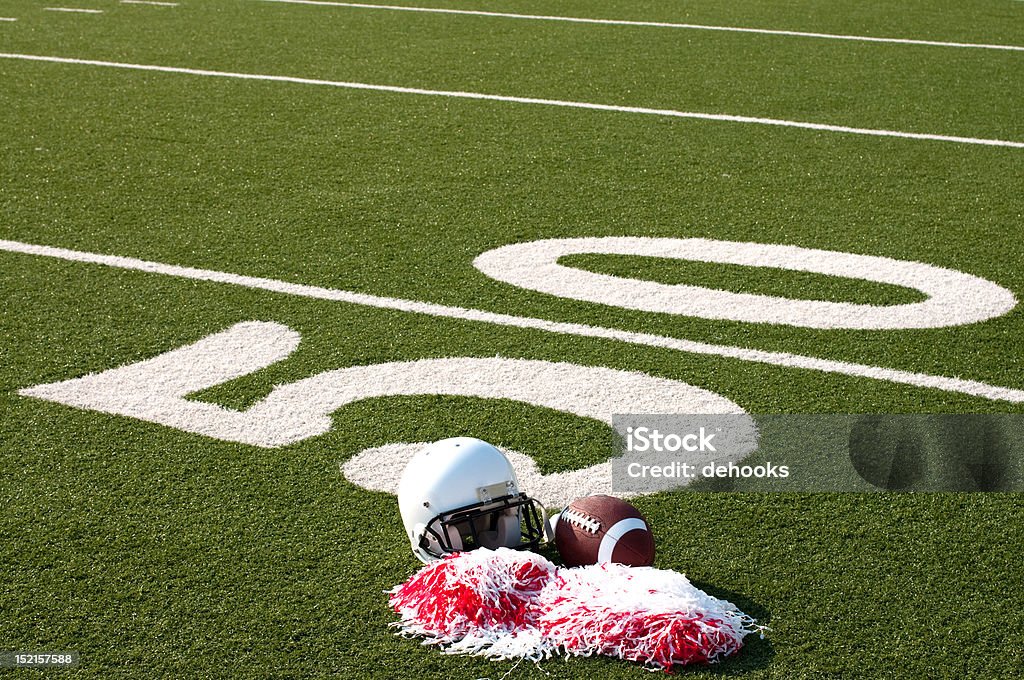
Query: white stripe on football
(598,529)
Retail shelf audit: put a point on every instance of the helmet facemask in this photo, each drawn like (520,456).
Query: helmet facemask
(512,521)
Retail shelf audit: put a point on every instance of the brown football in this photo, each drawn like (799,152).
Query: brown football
(597,529)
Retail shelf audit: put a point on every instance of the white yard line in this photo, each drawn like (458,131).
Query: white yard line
(653,24)
(7,19)
(720,117)
(77,10)
(969,387)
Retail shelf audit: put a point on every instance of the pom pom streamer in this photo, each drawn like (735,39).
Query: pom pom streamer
(508,604)
(479,602)
(654,616)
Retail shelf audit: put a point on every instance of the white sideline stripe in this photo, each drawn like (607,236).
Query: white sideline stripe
(785,359)
(653,24)
(520,100)
(7,19)
(149,2)
(73,9)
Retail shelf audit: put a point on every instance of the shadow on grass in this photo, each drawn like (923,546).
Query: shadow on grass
(757,652)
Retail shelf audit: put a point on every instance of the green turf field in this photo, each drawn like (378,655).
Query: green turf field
(366,151)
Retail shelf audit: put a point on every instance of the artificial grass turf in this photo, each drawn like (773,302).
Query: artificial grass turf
(154,552)
(213,561)
(361,192)
(867,85)
(369,206)
(753,280)
(165,553)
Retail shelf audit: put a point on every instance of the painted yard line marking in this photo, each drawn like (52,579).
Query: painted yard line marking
(7,19)
(784,359)
(79,10)
(654,24)
(149,2)
(821,127)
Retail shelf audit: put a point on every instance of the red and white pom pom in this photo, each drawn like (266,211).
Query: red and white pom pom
(653,616)
(477,602)
(507,604)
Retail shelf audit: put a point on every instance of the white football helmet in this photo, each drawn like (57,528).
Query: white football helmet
(462,493)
